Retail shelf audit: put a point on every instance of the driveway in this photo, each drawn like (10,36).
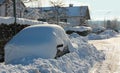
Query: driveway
(111,47)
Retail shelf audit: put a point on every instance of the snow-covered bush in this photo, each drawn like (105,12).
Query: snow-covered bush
(109,33)
(6,33)
(10,20)
(103,35)
(44,41)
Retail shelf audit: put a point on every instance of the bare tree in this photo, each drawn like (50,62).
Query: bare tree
(114,24)
(58,10)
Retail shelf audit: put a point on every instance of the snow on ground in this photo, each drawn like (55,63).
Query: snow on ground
(10,20)
(104,35)
(81,60)
(111,47)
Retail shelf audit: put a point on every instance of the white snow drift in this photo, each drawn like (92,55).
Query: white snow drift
(80,60)
(103,35)
(36,41)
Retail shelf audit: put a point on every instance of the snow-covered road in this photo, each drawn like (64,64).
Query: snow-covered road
(111,47)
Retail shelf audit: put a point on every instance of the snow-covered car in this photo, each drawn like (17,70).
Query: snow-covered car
(44,41)
(98,29)
(81,30)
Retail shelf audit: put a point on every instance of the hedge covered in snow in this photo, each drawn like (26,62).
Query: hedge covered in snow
(6,33)
(23,21)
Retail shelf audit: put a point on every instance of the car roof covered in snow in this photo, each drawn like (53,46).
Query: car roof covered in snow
(41,34)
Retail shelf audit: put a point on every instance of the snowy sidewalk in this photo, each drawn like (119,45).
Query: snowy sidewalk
(112,49)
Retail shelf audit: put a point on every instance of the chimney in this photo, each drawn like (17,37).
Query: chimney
(70,5)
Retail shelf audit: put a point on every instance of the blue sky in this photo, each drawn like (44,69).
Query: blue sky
(99,9)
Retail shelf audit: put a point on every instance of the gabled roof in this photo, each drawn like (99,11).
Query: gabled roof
(1,1)
(76,11)
(82,11)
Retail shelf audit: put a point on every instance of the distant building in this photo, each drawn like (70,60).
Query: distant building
(78,15)
(6,8)
(75,15)
(31,13)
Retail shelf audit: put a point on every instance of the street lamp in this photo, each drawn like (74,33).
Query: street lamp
(105,18)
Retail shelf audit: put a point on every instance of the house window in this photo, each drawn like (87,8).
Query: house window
(63,20)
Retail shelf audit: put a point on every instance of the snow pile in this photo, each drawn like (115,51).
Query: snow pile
(10,20)
(93,36)
(78,61)
(36,41)
(79,28)
(104,35)
(109,33)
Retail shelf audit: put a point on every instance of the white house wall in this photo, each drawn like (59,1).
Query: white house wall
(2,10)
(20,8)
(73,20)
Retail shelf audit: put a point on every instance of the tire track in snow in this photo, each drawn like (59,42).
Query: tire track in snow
(111,48)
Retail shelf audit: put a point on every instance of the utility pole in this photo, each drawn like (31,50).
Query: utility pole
(14,10)
(14,14)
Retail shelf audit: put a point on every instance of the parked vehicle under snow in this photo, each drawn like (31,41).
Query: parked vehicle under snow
(44,41)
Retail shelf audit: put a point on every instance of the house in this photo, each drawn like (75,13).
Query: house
(31,13)
(75,15)
(6,8)
(78,15)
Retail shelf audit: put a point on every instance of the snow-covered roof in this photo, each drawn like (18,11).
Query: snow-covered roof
(10,20)
(1,1)
(77,11)
(74,11)
(79,28)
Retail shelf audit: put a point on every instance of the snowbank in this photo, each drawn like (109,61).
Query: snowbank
(110,33)
(104,35)
(79,28)
(36,41)
(10,20)
(79,61)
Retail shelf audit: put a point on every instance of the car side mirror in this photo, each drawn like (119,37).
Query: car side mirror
(60,45)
